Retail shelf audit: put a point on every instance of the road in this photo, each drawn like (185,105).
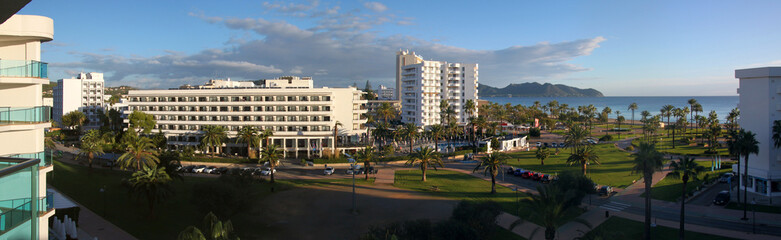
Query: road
(706,198)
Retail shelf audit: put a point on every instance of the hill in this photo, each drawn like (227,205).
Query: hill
(536,90)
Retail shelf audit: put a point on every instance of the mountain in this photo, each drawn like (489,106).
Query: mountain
(536,90)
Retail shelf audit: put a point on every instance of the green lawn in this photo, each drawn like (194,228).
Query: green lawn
(760,208)
(622,228)
(359,180)
(669,189)
(613,125)
(503,234)
(460,186)
(123,210)
(664,144)
(615,170)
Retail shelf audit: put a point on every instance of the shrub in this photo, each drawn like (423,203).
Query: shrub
(534,132)
(727,165)
(607,137)
(629,148)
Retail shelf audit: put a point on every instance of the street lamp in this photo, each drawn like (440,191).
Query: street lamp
(754,217)
(352,166)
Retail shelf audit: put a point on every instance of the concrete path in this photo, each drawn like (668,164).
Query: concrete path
(524,229)
(385,176)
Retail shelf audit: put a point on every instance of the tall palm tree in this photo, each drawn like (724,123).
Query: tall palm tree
(551,205)
(696,109)
(542,153)
(151,183)
(492,164)
(692,102)
(685,168)
(647,161)
(212,227)
(605,113)
(141,152)
(746,144)
(248,135)
(776,133)
(470,107)
(575,137)
(266,135)
(386,111)
(270,154)
(91,145)
(365,155)
(436,132)
(619,120)
(336,134)
(667,111)
(410,131)
(583,157)
(425,156)
(214,137)
(632,107)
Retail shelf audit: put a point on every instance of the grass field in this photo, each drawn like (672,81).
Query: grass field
(504,234)
(622,228)
(664,144)
(615,170)
(460,186)
(669,189)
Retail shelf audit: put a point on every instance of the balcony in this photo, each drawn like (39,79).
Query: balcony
(45,157)
(9,115)
(23,68)
(21,202)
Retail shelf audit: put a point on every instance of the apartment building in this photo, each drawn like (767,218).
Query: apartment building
(81,93)
(303,118)
(25,205)
(423,84)
(760,106)
(386,93)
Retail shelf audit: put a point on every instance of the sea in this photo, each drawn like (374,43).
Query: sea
(721,104)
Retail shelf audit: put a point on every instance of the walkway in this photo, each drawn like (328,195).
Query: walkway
(93,224)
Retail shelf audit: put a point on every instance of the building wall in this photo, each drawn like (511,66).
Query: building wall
(83,93)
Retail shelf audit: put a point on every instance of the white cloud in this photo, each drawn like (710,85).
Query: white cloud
(375,6)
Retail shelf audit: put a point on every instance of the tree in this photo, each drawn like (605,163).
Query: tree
(213,137)
(691,102)
(141,152)
(213,228)
(492,164)
(746,144)
(436,132)
(336,134)
(685,168)
(619,120)
(270,154)
(266,136)
(632,107)
(142,121)
(410,132)
(647,161)
(74,119)
(575,137)
(583,156)
(151,183)
(365,155)
(426,157)
(542,154)
(91,145)
(667,111)
(551,207)
(386,112)
(604,116)
(248,135)
(171,160)
(776,133)
(159,140)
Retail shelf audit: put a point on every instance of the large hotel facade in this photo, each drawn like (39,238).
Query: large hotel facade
(82,93)
(303,118)
(422,84)
(25,205)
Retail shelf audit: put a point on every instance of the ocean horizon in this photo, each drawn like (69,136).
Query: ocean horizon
(721,104)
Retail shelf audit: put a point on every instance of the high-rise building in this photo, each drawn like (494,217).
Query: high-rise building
(760,106)
(303,118)
(424,84)
(25,205)
(386,93)
(83,93)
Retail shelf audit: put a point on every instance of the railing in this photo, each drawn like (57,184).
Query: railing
(9,115)
(18,211)
(23,68)
(45,157)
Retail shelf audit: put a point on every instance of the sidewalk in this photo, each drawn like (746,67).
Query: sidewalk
(96,226)
(698,228)
(524,229)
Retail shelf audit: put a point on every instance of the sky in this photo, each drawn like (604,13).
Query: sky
(621,48)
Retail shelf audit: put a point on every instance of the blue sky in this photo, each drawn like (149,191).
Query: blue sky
(622,48)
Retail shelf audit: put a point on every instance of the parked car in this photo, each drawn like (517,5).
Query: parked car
(187,169)
(519,172)
(527,174)
(328,171)
(545,144)
(210,170)
(725,177)
(267,171)
(548,178)
(222,170)
(722,198)
(561,145)
(539,144)
(510,170)
(199,169)
(605,190)
(537,176)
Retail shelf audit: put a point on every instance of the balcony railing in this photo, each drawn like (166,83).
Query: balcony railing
(45,157)
(19,177)
(23,68)
(10,115)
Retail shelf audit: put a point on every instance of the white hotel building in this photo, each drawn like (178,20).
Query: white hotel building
(760,106)
(82,93)
(422,84)
(301,116)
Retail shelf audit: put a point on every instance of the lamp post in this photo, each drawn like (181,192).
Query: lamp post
(754,217)
(352,167)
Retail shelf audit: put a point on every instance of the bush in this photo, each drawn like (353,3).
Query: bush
(470,220)
(330,160)
(727,165)
(534,132)
(582,185)
(629,148)
(228,196)
(607,137)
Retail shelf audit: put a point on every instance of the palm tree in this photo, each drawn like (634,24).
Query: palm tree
(213,136)
(667,111)
(686,168)
(575,137)
(470,107)
(436,132)
(605,113)
(152,184)
(550,206)
(776,133)
(336,134)
(266,136)
(647,161)
(141,152)
(91,145)
(542,154)
(619,120)
(212,226)
(633,107)
(270,154)
(696,109)
(492,164)
(248,135)
(425,156)
(691,106)
(386,111)
(410,131)
(365,155)
(583,157)
(746,144)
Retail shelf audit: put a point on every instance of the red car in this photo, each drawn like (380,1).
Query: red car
(537,176)
(527,174)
